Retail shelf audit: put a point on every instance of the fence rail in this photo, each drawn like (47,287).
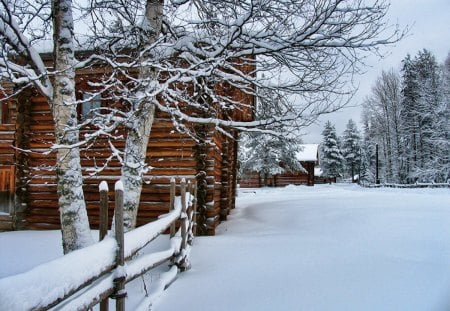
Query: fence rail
(92,275)
(411,186)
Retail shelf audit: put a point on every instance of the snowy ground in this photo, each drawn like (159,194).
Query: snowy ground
(323,248)
(337,247)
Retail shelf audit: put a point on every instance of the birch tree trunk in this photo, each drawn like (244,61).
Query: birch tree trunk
(139,129)
(74,221)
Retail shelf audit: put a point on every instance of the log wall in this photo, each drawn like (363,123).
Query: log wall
(212,160)
(169,154)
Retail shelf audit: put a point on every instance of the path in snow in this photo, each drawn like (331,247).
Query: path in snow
(323,248)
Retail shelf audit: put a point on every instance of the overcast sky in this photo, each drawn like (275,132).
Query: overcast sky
(429,21)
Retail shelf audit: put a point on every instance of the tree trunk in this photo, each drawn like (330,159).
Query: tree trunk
(74,221)
(134,165)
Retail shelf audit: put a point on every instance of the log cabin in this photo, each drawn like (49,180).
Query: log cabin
(28,196)
(309,159)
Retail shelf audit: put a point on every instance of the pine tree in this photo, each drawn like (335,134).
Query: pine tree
(425,118)
(351,149)
(367,165)
(269,154)
(443,126)
(331,156)
(409,117)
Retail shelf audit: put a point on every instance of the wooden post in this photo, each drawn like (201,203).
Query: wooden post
(103,227)
(377,178)
(184,264)
(103,221)
(194,206)
(190,213)
(172,205)
(119,282)
(183,215)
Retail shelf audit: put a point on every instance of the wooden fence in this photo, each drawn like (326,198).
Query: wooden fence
(406,186)
(92,275)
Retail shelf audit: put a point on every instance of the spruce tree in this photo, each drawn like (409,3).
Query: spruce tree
(410,126)
(268,155)
(351,149)
(272,151)
(331,156)
(425,119)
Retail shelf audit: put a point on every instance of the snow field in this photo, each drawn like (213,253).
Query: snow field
(338,247)
(323,248)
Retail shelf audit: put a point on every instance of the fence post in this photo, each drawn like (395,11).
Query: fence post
(172,205)
(119,281)
(103,221)
(183,217)
(103,227)
(190,213)
(194,206)
(183,264)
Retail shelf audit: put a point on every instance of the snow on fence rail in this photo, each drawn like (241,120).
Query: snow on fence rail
(416,185)
(83,278)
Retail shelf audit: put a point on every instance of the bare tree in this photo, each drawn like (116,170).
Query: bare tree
(21,62)
(408,118)
(172,55)
(306,49)
(384,110)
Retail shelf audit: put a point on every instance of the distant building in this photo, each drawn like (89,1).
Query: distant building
(309,159)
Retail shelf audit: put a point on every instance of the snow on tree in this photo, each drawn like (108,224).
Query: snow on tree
(351,149)
(383,109)
(268,155)
(267,152)
(368,150)
(22,64)
(408,118)
(172,56)
(297,47)
(74,221)
(442,126)
(424,122)
(138,130)
(302,41)
(331,155)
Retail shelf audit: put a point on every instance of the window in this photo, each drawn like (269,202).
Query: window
(4,113)
(90,102)
(6,188)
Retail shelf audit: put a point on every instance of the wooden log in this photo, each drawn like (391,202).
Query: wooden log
(103,227)
(183,214)
(119,282)
(172,205)
(184,264)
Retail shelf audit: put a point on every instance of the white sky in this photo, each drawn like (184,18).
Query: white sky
(429,21)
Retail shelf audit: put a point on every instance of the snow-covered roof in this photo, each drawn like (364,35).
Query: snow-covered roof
(318,172)
(309,152)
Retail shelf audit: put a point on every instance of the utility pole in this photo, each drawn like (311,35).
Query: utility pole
(377,178)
